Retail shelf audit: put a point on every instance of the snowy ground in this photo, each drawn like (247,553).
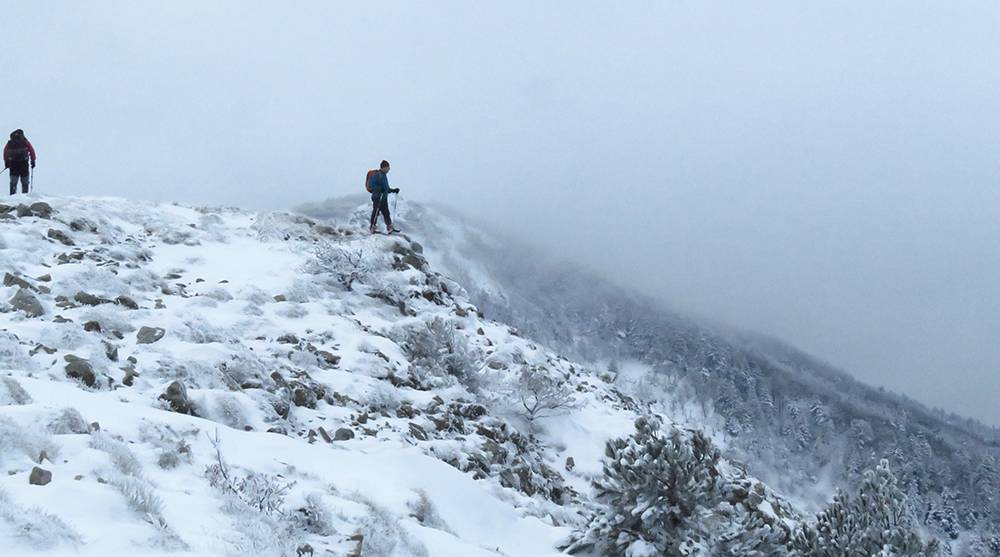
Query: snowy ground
(330,431)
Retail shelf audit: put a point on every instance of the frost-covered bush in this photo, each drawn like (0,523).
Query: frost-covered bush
(658,489)
(128,479)
(139,495)
(144,280)
(348,264)
(111,317)
(247,490)
(11,392)
(541,394)
(424,511)
(874,522)
(383,536)
(35,527)
(292,310)
(66,421)
(29,442)
(219,294)
(314,516)
(13,354)
(99,281)
(304,291)
(437,351)
(64,336)
(198,330)
(122,458)
(224,408)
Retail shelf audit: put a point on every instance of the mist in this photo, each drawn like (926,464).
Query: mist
(825,174)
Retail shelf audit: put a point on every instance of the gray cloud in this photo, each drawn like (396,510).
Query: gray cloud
(827,174)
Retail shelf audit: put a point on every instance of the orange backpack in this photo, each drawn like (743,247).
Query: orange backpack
(368,180)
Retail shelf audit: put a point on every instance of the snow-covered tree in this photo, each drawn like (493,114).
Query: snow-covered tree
(876,521)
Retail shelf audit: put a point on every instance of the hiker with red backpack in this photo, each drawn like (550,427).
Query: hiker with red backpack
(17,155)
(377,183)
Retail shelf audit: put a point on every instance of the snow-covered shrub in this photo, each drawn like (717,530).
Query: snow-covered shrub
(35,527)
(304,291)
(29,442)
(219,294)
(347,264)
(292,310)
(64,336)
(249,490)
(314,516)
(384,398)
(13,354)
(383,537)
(66,421)
(657,489)
(437,351)
(122,458)
(11,392)
(99,281)
(874,522)
(144,280)
(111,318)
(128,479)
(139,495)
(541,394)
(424,511)
(224,408)
(199,330)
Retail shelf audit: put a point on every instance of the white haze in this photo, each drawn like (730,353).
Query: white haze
(825,173)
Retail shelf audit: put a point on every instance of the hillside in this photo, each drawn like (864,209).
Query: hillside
(799,423)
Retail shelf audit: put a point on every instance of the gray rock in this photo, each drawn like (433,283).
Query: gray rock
(176,395)
(149,335)
(82,225)
(343,434)
(570,463)
(40,209)
(60,236)
(288,339)
(11,280)
(88,299)
(127,302)
(280,298)
(418,432)
(39,476)
(92,327)
(44,278)
(80,369)
(25,301)
(304,397)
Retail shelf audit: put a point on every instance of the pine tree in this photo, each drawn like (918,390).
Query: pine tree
(874,522)
(657,488)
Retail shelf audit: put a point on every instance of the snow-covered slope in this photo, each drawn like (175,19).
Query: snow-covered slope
(187,381)
(801,425)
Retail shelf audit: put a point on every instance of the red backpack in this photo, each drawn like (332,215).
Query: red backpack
(368,180)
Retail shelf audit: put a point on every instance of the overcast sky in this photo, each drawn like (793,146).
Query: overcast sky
(825,173)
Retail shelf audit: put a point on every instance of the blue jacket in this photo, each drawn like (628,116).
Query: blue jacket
(379,184)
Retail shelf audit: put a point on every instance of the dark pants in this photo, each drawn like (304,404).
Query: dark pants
(13,183)
(380,203)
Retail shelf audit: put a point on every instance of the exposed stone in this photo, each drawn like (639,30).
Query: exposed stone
(92,327)
(60,236)
(480,331)
(130,375)
(329,358)
(288,339)
(127,302)
(149,335)
(40,209)
(44,278)
(111,351)
(418,432)
(11,280)
(25,301)
(80,369)
(326,436)
(88,299)
(61,319)
(343,434)
(302,396)
(495,365)
(570,463)
(82,225)
(176,395)
(280,298)
(39,476)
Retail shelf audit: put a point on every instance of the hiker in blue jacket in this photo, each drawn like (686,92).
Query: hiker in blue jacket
(378,184)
